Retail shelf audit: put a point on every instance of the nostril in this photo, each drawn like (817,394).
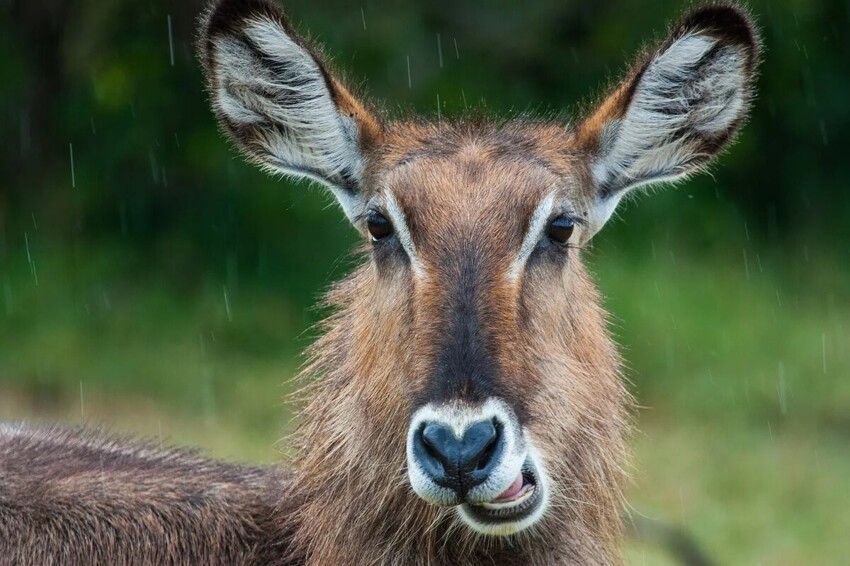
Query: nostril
(430,451)
(484,460)
(487,455)
(438,442)
(492,447)
(481,441)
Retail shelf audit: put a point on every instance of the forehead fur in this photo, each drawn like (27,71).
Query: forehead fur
(550,144)
(466,176)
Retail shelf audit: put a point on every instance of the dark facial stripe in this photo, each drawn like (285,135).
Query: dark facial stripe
(468,332)
(466,366)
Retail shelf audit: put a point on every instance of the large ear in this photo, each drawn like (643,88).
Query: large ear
(676,110)
(273,94)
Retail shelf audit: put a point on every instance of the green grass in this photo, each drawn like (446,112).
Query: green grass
(741,374)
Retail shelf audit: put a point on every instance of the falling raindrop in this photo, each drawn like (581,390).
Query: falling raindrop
(170,41)
(440,50)
(73,176)
(363,17)
(227,304)
(457,52)
(746,265)
(781,387)
(409,79)
(29,255)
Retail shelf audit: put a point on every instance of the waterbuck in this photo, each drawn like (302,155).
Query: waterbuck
(465,404)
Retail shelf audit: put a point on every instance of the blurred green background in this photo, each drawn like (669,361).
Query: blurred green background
(152,281)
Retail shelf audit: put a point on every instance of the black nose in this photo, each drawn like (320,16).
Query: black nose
(455,463)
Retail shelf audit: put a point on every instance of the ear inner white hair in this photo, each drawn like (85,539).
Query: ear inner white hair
(684,106)
(267,83)
(651,142)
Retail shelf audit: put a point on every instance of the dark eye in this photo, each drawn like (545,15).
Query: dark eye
(560,229)
(379,227)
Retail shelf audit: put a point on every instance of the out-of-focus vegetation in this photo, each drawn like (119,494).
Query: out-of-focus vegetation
(151,280)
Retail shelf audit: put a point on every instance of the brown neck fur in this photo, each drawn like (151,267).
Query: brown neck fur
(350,501)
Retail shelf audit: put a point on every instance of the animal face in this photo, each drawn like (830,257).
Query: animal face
(484,222)
(475,230)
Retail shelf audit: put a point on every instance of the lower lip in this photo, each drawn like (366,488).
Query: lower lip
(508,511)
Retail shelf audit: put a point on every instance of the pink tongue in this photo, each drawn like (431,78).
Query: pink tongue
(512,491)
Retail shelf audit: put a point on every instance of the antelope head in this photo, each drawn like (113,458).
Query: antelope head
(480,329)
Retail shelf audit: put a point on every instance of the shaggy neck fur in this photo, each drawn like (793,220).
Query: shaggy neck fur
(350,502)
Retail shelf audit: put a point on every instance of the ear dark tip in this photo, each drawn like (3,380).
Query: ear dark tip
(727,22)
(227,17)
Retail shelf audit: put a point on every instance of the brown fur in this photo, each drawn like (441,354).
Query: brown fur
(72,497)
(468,190)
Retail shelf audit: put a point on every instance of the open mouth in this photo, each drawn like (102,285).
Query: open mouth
(516,503)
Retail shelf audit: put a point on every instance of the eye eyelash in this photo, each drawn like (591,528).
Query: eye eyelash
(362,216)
(569,215)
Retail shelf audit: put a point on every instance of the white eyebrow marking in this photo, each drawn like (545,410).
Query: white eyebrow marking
(535,228)
(399,221)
